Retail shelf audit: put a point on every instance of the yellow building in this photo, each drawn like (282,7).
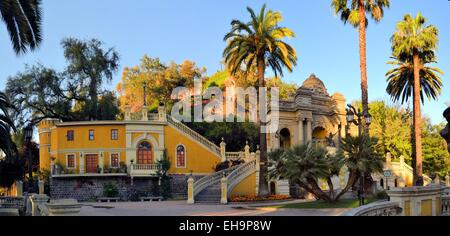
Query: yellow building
(99,152)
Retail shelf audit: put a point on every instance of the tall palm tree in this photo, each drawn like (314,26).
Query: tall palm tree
(260,42)
(23,22)
(414,45)
(355,12)
(7,146)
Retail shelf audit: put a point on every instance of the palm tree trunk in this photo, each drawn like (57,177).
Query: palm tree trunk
(263,171)
(417,155)
(363,59)
(352,178)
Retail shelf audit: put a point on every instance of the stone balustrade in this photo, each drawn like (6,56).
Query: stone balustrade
(42,206)
(384,208)
(445,205)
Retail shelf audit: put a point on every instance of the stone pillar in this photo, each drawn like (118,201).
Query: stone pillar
(308,130)
(447,181)
(81,163)
(144,113)
(159,154)
(190,190)
(258,160)
(223,150)
(41,187)
(127,113)
(224,190)
(162,112)
(52,166)
(301,134)
(36,200)
(19,188)
(101,162)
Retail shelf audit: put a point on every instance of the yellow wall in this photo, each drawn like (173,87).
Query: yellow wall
(102,137)
(61,147)
(44,129)
(245,187)
(198,158)
(426,208)
(407,210)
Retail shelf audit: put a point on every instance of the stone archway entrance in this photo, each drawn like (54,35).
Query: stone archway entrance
(285,138)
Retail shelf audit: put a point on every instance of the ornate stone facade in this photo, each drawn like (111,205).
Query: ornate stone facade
(311,116)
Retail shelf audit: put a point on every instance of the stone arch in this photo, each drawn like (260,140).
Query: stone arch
(285,138)
(146,137)
(319,132)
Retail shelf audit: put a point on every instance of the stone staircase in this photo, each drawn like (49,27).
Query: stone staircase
(210,195)
(207,190)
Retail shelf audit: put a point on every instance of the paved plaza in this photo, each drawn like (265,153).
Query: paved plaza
(181,208)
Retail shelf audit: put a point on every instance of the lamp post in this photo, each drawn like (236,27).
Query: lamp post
(351,113)
(28,131)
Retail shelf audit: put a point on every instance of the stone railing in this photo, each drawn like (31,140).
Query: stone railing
(210,180)
(377,209)
(445,205)
(239,174)
(196,136)
(234,156)
(143,169)
(13,203)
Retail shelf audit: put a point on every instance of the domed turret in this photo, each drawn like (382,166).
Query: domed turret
(315,84)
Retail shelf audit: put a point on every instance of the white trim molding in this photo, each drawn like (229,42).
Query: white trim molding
(110,159)
(74,161)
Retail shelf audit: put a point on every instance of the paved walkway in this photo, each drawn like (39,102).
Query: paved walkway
(181,208)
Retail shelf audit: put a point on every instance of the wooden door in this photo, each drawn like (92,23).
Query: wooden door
(91,164)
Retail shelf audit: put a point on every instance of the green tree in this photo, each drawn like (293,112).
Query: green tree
(90,64)
(39,92)
(391,126)
(23,23)
(355,12)
(415,43)
(304,165)
(436,159)
(11,167)
(7,145)
(159,79)
(260,42)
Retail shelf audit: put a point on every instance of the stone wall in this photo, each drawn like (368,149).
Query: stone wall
(91,188)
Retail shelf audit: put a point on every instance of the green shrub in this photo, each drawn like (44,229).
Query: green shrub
(110,190)
(381,195)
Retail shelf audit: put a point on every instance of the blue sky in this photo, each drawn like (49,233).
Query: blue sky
(193,29)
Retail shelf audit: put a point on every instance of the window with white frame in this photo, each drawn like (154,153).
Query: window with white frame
(181,156)
(115,160)
(70,161)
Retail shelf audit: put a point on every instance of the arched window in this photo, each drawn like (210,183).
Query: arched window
(145,153)
(285,138)
(181,156)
